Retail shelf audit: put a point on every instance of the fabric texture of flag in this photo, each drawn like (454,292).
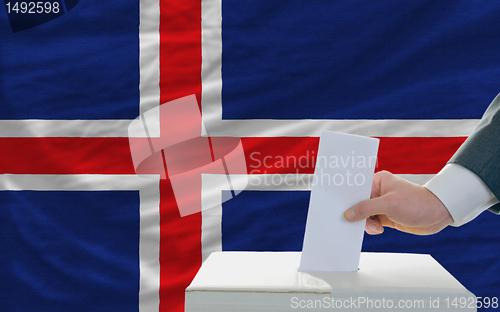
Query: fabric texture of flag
(81,231)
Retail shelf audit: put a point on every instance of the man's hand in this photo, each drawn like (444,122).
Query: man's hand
(400,204)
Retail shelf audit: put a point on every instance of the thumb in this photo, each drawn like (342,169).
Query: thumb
(366,208)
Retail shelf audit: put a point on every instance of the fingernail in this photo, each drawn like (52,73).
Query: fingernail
(373,228)
(350,214)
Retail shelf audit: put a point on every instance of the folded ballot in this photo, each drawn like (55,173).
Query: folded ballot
(342,177)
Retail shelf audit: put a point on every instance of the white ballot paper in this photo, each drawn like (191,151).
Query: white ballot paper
(343,176)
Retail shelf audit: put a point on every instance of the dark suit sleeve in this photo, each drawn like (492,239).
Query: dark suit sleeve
(480,153)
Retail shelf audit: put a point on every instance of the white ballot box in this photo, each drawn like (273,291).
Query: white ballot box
(271,282)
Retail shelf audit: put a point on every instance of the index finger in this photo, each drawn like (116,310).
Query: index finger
(367,208)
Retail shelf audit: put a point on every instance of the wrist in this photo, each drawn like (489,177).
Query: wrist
(443,217)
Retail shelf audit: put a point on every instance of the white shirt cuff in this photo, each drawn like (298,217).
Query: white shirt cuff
(462,192)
